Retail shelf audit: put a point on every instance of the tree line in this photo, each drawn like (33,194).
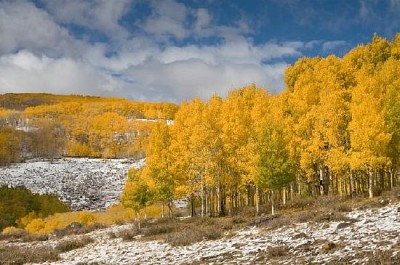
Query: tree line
(19,205)
(335,129)
(49,126)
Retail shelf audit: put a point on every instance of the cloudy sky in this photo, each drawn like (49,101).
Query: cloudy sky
(172,50)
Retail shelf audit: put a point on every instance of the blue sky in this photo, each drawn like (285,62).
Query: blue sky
(172,50)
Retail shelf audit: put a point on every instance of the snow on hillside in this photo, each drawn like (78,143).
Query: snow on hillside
(350,242)
(90,184)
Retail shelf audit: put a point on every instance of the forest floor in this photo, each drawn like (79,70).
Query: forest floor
(368,234)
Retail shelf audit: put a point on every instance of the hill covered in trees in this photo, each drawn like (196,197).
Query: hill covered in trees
(45,125)
(335,129)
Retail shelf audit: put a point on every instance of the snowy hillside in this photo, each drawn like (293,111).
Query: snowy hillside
(89,184)
(369,234)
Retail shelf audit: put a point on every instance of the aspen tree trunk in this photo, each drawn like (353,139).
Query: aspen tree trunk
(291,191)
(298,186)
(202,198)
(272,203)
(321,180)
(257,201)
(284,196)
(351,185)
(218,199)
(391,179)
(193,203)
(370,184)
(162,210)
(207,201)
(339,186)
(138,219)
(240,204)
(170,209)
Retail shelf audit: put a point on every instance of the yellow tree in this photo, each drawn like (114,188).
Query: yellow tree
(369,135)
(236,135)
(138,191)
(159,164)
(187,147)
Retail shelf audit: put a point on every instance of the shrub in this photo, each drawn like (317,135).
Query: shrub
(10,233)
(75,243)
(76,228)
(127,234)
(193,234)
(86,218)
(22,255)
(159,228)
(343,207)
(184,237)
(278,251)
(36,225)
(17,203)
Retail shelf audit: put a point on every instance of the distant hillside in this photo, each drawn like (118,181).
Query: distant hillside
(46,125)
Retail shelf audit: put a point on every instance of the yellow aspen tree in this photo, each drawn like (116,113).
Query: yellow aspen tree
(368,131)
(159,164)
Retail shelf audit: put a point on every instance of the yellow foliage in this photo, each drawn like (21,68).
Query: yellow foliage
(86,218)
(24,221)
(10,229)
(36,226)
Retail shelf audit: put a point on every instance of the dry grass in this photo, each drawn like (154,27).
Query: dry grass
(181,232)
(23,255)
(193,234)
(128,234)
(75,243)
(277,252)
(78,229)
(22,235)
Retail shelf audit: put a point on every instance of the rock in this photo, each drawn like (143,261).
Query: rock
(327,247)
(300,235)
(343,225)
(384,202)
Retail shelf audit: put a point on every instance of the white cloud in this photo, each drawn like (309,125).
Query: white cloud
(38,54)
(330,46)
(203,20)
(22,25)
(395,5)
(183,72)
(101,15)
(168,18)
(26,72)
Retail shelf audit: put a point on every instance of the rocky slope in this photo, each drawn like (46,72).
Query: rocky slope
(370,236)
(89,184)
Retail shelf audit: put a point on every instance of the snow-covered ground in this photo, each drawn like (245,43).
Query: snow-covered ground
(352,242)
(90,184)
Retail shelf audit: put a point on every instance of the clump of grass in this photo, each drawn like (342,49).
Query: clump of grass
(128,234)
(327,247)
(184,237)
(383,257)
(277,252)
(22,255)
(193,234)
(78,229)
(343,207)
(14,234)
(34,237)
(71,244)
(159,228)
(22,235)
